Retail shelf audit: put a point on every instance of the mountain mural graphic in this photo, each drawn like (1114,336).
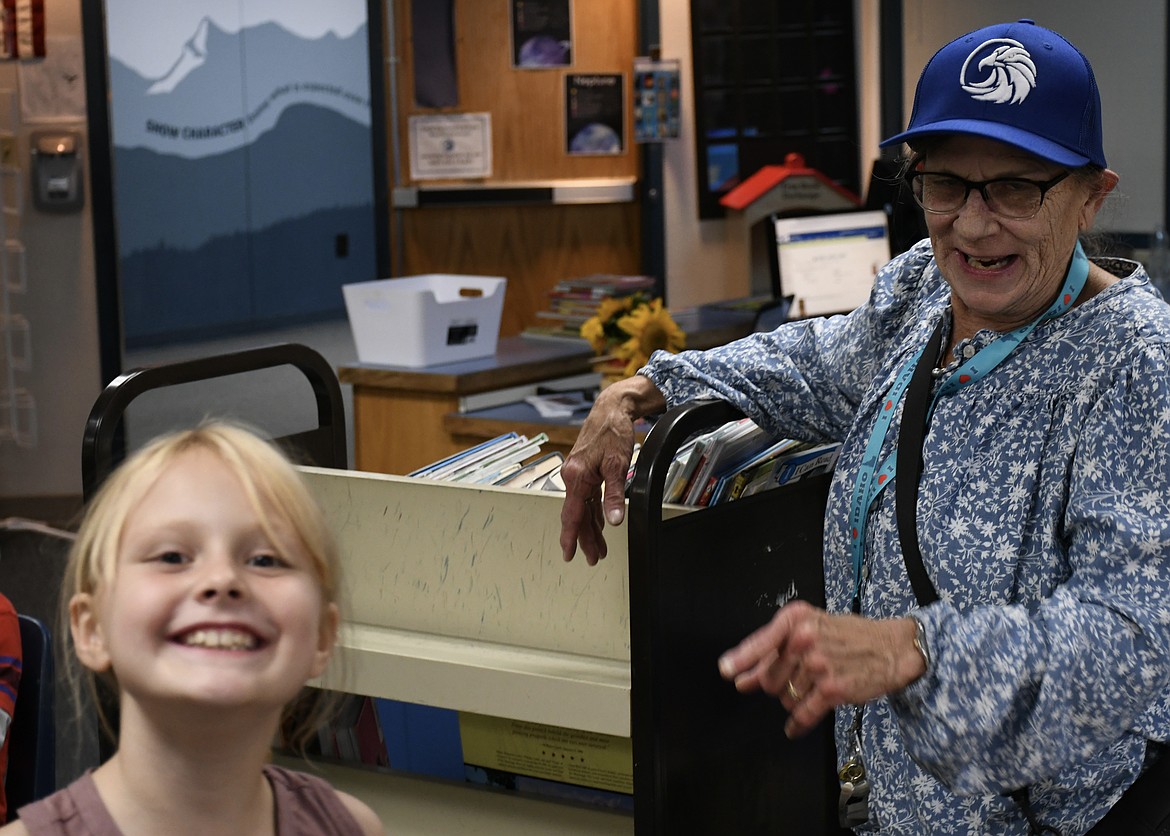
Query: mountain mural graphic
(225,90)
(193,55)
(243,181)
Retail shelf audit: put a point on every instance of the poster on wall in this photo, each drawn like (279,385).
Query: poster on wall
(448,145)
(656,99)
(242,162)
(542,34)
(594,114)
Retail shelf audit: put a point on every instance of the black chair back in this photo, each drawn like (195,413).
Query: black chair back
(324,446)
(32,745)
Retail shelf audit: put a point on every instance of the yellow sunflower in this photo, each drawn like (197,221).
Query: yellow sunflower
(650,328)
(613,306)
(599,329)
(593,330)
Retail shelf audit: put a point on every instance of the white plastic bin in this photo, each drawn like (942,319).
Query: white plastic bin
(425,320)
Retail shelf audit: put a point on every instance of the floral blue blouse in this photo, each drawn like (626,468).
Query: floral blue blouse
(1044,524)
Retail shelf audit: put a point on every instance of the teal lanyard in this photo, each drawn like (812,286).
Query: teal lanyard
(872,478)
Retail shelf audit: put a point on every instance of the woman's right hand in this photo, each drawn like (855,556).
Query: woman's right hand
(601,457)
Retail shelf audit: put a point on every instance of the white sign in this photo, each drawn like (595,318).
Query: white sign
(828,262)
(450,145)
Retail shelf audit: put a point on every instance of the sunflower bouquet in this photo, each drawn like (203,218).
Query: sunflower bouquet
(630,328)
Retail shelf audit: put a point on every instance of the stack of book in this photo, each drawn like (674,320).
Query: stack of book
(737,460)
(354,733)
(731,462)
(572,301)
(510,460)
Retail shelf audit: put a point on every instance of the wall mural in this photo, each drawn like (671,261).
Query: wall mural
(243,181)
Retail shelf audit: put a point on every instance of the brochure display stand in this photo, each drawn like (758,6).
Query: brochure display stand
(708,759)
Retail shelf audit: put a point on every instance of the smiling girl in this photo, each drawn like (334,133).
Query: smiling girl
(202,586)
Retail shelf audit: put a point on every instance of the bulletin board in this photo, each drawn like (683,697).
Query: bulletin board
(526,105)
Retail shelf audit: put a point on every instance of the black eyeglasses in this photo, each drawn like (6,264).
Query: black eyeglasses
(1010,197)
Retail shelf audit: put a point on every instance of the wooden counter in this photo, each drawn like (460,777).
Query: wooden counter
(471,428)
(398,412)
(404,418)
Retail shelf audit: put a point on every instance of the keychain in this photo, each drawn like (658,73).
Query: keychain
(853,804)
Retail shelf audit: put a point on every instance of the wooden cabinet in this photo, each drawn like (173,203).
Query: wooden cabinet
(504,224)
(398,413)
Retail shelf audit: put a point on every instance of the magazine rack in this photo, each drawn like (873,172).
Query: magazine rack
(708,759)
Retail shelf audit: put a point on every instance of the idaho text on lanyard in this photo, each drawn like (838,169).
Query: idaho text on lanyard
(872,477)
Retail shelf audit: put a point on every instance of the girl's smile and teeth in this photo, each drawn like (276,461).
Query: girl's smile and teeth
(219,638)
(209,601)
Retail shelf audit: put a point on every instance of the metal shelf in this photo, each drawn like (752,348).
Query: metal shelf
(518,193)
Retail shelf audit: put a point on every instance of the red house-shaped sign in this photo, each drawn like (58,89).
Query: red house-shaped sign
(789,189)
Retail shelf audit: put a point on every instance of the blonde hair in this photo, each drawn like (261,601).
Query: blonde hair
(274,489)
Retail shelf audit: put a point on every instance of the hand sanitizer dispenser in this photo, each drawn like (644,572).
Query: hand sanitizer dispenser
(56,171)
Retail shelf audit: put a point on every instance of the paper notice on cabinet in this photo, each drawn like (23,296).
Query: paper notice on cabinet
(571,756)
(450,145)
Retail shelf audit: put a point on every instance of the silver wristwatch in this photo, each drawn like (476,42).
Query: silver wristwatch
(920,642)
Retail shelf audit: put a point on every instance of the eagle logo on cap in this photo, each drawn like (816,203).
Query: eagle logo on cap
(1011,74)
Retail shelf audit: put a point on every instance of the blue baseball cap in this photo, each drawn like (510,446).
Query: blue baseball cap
(1018,83)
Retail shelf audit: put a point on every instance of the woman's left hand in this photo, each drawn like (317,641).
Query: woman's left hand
(814,661)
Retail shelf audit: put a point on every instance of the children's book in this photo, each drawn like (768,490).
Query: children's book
(442,468)
(504,462)
(809,461)
(740,441)
(534,473)
(758,467)
(689,456)
(554,482)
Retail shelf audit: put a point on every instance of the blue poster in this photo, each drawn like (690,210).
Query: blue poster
(656,99)
(243,184)
(542,34)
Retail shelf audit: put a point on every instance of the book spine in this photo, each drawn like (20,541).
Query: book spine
(792,471)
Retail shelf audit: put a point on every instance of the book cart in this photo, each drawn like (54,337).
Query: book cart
(460,600)
(708,759)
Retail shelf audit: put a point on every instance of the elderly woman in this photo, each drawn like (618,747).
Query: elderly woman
(1023,687)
